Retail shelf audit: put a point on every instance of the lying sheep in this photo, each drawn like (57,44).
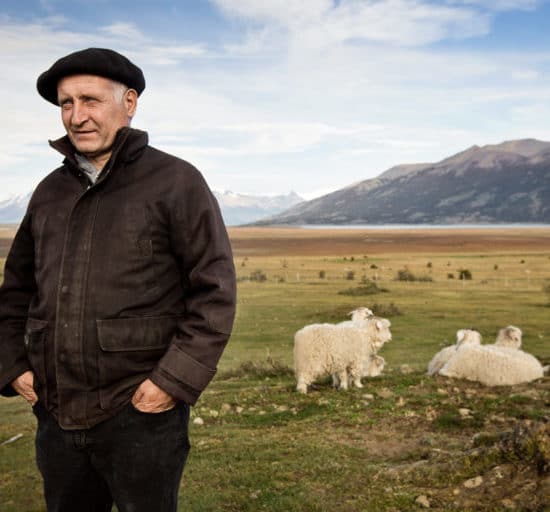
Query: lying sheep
(325,349)
(493,365)
(509,337)
(464,337)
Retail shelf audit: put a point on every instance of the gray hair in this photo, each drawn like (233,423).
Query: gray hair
(119,90)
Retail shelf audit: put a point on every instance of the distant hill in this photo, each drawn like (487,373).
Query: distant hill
(243,209)
(236,208)
(503,183)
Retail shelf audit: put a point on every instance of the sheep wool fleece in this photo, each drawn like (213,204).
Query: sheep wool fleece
(110,284)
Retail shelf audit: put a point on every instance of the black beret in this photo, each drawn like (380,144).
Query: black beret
(92,61)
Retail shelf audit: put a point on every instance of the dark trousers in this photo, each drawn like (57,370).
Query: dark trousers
(134,459)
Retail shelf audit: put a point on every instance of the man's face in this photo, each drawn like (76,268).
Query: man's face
(92,111)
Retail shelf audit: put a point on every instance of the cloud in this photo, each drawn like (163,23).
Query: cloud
(321,23)
(499,5)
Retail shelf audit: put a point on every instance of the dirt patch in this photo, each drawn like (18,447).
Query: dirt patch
(338,242)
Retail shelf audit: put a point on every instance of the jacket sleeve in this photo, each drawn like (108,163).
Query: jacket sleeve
(16,292)
(202,248)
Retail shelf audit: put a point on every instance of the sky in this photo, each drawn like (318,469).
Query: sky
(271,96)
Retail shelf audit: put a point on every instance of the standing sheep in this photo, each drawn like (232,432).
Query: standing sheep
(493,365)
(464,337)
(325,349)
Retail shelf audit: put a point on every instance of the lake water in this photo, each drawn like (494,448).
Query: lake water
(423,226)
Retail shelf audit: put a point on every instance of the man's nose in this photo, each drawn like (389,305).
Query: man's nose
(79,114)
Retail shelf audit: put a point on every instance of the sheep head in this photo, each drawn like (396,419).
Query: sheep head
(360,314)
(467,337)
(374,366)
(509,337)
(381,332)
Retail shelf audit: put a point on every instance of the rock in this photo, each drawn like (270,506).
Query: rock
(441,391)
(239,409)
(465,413)
(282,408)
(508,504)
(12,439)
(385,393)
(214,413)
(431,413)
(423,501)
(405,369)
(400,402)
(472,483)
(198,421)
(225,408)
(529,393)
(368,396)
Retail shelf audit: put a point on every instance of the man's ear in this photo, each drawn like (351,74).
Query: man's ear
(130,101)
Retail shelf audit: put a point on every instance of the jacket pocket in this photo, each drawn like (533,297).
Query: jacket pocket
(35,345)
(129,350)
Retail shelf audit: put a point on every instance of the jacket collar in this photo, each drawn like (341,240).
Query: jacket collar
(128,144)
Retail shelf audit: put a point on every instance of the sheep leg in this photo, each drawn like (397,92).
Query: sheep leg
(301,386)
(355,377)
(335,381)
(343,377)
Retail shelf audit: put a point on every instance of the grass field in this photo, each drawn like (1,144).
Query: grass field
(403,441)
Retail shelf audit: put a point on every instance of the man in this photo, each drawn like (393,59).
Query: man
(118,298)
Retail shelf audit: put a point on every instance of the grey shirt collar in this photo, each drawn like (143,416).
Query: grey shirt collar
(88,167)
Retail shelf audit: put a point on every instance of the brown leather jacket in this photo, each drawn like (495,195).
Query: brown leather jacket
(110,284)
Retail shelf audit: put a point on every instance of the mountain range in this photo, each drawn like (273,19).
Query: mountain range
(236,208)
(501,183)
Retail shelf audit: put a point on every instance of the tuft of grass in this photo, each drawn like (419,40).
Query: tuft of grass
(259,369)
(367,288)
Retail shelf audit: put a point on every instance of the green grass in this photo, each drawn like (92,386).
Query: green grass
(265,447)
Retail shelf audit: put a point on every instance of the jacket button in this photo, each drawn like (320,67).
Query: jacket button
(64,289)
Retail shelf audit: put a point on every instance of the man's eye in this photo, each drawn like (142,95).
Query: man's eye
(67,105)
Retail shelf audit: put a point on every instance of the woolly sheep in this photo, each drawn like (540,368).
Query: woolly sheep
(326,349)
(509,337)
(372,368)
(464,337)
(493,365)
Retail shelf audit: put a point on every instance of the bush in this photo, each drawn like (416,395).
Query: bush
(350,275)
(450,275)
(407,275)
(322,274)
(386,310)
(368,288)
(465,274)
(259,369)
(258,275)
(373,266)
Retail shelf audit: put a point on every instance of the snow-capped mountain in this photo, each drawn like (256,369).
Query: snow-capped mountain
(13,208)
(242,209)
(236,208)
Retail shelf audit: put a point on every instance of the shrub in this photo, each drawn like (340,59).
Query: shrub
(450,275)
(495,267)
(350,275)
(258,275)
(406,275)
(259,369)
(386,310)
(465,274)
(367,288)
(322,274)
(373,266)
(429,264)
